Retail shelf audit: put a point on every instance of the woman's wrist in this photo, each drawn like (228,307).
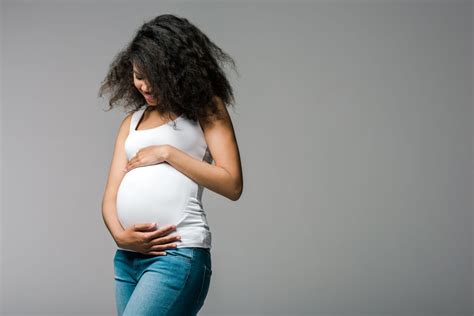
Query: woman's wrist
(167,152)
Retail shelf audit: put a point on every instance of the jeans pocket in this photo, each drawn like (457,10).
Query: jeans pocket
(206,281)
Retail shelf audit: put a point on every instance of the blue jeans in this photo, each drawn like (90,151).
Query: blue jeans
(175,284)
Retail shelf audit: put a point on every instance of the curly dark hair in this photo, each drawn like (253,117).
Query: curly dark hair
(180,63)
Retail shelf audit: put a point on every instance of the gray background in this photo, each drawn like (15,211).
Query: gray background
(354,122)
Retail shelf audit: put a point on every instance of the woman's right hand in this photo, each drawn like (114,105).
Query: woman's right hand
(146,239)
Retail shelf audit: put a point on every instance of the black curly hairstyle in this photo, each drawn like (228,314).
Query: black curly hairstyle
(182,66)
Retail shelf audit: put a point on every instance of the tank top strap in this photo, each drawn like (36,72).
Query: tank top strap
(135,119)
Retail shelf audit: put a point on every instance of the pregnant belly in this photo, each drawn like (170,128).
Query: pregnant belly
(156,193)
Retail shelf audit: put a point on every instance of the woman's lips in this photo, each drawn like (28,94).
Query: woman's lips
(148,96)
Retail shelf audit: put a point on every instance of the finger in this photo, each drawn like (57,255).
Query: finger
(164,240)
(162,247)
(140,162)
(133,160)
(133,164)
(126,166)
(160,232)
(164,230)
(156,253)
(144,227)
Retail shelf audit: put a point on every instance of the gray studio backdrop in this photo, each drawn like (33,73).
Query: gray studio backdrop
(354,122)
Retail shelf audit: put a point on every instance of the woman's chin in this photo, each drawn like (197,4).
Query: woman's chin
(151,103)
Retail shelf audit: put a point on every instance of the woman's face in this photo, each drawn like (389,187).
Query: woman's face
(142,86)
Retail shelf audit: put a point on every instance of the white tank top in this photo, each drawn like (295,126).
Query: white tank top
(160,193)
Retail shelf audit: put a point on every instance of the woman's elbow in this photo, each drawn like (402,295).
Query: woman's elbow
(236,193)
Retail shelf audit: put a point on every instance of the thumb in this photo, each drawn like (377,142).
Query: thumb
(144,227)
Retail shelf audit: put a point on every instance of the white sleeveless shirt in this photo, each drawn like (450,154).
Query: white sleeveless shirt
(160,193)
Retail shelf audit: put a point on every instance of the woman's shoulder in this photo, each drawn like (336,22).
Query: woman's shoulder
(127,121)
(130,116)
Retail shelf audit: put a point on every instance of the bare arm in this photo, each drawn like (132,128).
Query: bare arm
(225,177)
(116,174)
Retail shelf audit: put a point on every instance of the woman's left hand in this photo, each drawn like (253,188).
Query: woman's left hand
(150,155)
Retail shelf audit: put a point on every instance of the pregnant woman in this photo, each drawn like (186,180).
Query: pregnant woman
(171,77)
